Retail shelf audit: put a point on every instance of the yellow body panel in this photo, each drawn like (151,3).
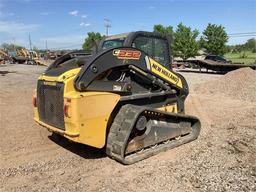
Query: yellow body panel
(63,77)
(88,116)
(88,112)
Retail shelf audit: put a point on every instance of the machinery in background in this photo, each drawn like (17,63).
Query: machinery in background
(24,56)
(4,57)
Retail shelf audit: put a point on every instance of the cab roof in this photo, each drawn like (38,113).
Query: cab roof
(118,36)
(129,37)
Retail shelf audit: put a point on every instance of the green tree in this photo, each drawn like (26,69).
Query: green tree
(214,39)
(35,49)
(237,48)
(229,48)
(185,44)
(10,47)
(164,30)
(91,41)
(250,44)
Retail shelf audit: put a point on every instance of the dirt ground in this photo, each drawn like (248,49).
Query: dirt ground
(223,158)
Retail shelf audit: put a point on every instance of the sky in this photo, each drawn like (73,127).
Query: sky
(63,24)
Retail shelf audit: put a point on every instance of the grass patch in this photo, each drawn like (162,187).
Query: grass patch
(246,57)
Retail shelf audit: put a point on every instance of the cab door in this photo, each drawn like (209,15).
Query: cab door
(156,48)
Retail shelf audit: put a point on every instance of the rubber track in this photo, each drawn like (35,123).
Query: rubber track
(122,126)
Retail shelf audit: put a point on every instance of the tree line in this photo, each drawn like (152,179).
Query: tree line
(250,45)
(186,42)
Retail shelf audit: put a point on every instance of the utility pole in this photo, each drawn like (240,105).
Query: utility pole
(46,47)
(30,43)
(14,48)
(107,25)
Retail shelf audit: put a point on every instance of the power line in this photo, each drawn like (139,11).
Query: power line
(242,36)
(107,25)
(245,33)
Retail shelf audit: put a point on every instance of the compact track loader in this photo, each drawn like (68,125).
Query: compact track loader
(125,98)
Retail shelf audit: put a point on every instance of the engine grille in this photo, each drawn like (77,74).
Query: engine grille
(50,103)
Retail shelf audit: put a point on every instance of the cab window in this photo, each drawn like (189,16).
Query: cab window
(155,47)
(112,43)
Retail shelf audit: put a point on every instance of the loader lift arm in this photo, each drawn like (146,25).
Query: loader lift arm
(142,65)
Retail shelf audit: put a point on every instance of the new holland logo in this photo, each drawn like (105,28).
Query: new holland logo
(165,73)
(126,54)
(49,83)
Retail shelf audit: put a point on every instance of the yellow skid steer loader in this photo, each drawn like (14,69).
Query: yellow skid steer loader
(125,98)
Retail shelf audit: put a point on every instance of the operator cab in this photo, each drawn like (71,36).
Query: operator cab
(154,44)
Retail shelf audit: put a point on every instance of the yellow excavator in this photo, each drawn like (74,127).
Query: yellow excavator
(3,57)
(28,56)
(36,59)
(125,99)
(21,56)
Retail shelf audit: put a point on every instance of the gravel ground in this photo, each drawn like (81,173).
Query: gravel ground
(221,159)
(238,84)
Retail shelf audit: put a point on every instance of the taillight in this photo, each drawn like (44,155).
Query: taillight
(66,110)
(66,107)
(34,101)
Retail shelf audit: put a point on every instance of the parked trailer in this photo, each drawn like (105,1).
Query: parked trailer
(222,67)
